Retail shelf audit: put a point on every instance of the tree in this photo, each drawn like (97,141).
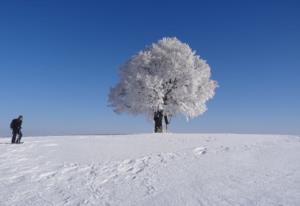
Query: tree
(163,80)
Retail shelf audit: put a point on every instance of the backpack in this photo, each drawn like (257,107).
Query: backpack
(12,124)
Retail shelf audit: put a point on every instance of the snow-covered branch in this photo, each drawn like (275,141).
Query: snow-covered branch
(166,76)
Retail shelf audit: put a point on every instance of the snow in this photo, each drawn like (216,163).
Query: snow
(151,169)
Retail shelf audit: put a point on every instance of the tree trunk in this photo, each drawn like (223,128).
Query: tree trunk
(158,122)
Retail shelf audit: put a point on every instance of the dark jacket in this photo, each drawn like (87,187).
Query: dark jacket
(16,124)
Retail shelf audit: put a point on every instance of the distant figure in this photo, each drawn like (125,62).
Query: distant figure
(166,121)
(16,126)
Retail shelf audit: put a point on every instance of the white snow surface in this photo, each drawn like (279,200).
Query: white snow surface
(151,169)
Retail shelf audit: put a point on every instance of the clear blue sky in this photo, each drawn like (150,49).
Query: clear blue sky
(58,60)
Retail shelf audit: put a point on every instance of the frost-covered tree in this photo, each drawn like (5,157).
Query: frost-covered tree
(163,80)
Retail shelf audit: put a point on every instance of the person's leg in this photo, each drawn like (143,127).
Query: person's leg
(14,135)
(19,136)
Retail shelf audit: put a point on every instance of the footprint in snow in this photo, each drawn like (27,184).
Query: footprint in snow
(126,166)
(133,166)
(226,149)
(199,151)
(46,175)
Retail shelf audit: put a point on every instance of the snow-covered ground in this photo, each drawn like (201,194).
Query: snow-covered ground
(151,169)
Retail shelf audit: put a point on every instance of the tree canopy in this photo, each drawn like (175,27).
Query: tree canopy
(167,76)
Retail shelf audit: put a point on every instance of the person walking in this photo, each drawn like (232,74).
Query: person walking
(167,122)
(16,126)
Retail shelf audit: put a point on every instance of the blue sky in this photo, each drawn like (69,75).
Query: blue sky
(58,60)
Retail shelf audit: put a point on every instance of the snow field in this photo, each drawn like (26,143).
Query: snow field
(151,169)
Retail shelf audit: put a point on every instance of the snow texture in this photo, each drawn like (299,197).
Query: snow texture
(151,169)
(166,76)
